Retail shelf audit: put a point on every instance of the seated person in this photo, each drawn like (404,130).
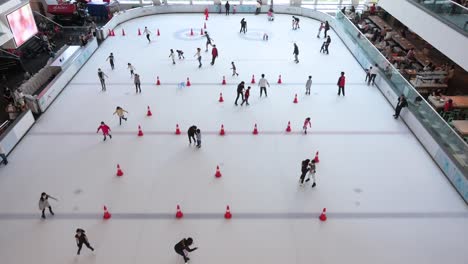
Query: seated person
(410,55)
(448,105)
(437,93)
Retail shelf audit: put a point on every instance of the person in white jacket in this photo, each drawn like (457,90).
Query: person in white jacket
(44,203)
(263,83)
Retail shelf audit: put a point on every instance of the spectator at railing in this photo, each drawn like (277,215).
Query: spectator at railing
(12,111)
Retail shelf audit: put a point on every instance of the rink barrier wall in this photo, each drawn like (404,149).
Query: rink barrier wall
(16,131)
(438,154)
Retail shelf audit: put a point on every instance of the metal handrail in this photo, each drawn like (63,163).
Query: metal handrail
(63,27)
(9,53)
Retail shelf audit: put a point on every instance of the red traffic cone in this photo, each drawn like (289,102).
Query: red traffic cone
(253,79)
(107,215)
(188,82)
(218,172)
(109,33)
(201,32)
(149,112)
(221,132)
(179,213)
(177,130)
(139,32)
(158,32)
(323,215)
(228,214)
(140,133)
(119,171)
(224,81)
(288,129)
(191,32)
(316,159)
(221,98)
(295,99)
(157,81)
(255,131)
(279,80)
(123,32)
(204,25)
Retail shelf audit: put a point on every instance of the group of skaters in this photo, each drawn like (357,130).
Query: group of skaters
(308,168)
(194,133)
(244,94)
(135,76)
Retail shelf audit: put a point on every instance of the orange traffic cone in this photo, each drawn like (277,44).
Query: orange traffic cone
(204,25)
(221,132)
(253,79)
(157,81)
(158,32)
(188,82)
(177,130)
(221,98)
(123,32)
(228,214)
(107,215)
(279,80)
(295,99)
(191,32)
(224,81)
(316,159)
(218,172)
(255,131)
(140,132)
(201,32)
(113,33)
(149,112)
(119,171)
(323,215)
(109,33)
(288,129)
(179,213)
(139,32)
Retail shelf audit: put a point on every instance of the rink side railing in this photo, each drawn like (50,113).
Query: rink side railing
(442,143)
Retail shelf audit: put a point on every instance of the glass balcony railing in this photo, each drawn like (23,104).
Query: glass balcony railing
(445,136)
(450,12)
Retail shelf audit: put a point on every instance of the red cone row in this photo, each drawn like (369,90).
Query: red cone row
(180,214)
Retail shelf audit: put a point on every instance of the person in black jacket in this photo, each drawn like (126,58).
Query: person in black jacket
(227,6)
(296,53)
(401,103)
(240,91)
(184,245)
(243,26)
(327,27)
(81,239)
(304,170)
(191,134)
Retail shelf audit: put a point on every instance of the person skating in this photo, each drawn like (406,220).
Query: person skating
(243,26)
(308,85)
(263,84)
(240,91)
(341,84)
(208,41)
(306,124)
(147,32)
(295,23)
(214,54)
(172,56)
(227,6)
(121,114)
(101,76)
(246,97)
(191,134)
(105,130)
(304,170)
(326,27)
(402,102)
(296,53)
(184,245)
(368,74)
(327,44)
(81,239)
(180,53)
(136,80)
(131,68)
(44,204)
(312,171)
(234,69)
(198,134)
(198,55)
(111,60)
(322,26)
(373,74)
(3,155)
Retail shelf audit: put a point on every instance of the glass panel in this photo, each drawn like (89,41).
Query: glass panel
(447,11)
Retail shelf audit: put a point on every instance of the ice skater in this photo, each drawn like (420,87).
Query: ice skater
(214,54)
(121,114)
(131,68)
(111,60)
(368,75)
(265,36)
(198,134)
(263,82)
(172,56)
(136,80)
(372,74)
(105,130)
(304,170)
(401,103)
(243,26)
(81,239)
(3,155)
(180,53)
(322,26)
(296,53)
(208,41)
(191,134)
(101,76)
(326,27)
(246,96)
(306,124)
(198,55)
(44,203)
(227,6)
(312,171)
(341,84)
(240,91)
(325,45)
(295,23)
(234,69)
(308,85)
(184,245)
(148,33)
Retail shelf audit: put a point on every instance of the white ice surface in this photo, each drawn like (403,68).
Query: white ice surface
(370,163)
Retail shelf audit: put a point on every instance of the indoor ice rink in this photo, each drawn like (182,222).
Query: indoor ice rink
(386,199)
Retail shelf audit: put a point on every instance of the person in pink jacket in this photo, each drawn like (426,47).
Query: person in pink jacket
(105,130)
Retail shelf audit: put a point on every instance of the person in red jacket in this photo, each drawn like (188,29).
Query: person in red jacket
(105,130)
(246,96)
(448,106)
(341,84)
(214,54)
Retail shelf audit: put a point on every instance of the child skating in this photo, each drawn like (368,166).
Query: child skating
(184,245)
(121,114)
(198,134)
(81,239)
(172,56)
(208,41)
(44,203)
(308,85)
(198,55)
(147,32)
(246,96)
(136,80)
(180,53)
(105,130)
(111,60)
(312,172)
(131,68)
(234,69)
(306,124)
(322,26)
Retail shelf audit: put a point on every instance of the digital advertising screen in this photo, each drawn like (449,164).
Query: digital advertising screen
(22,24)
